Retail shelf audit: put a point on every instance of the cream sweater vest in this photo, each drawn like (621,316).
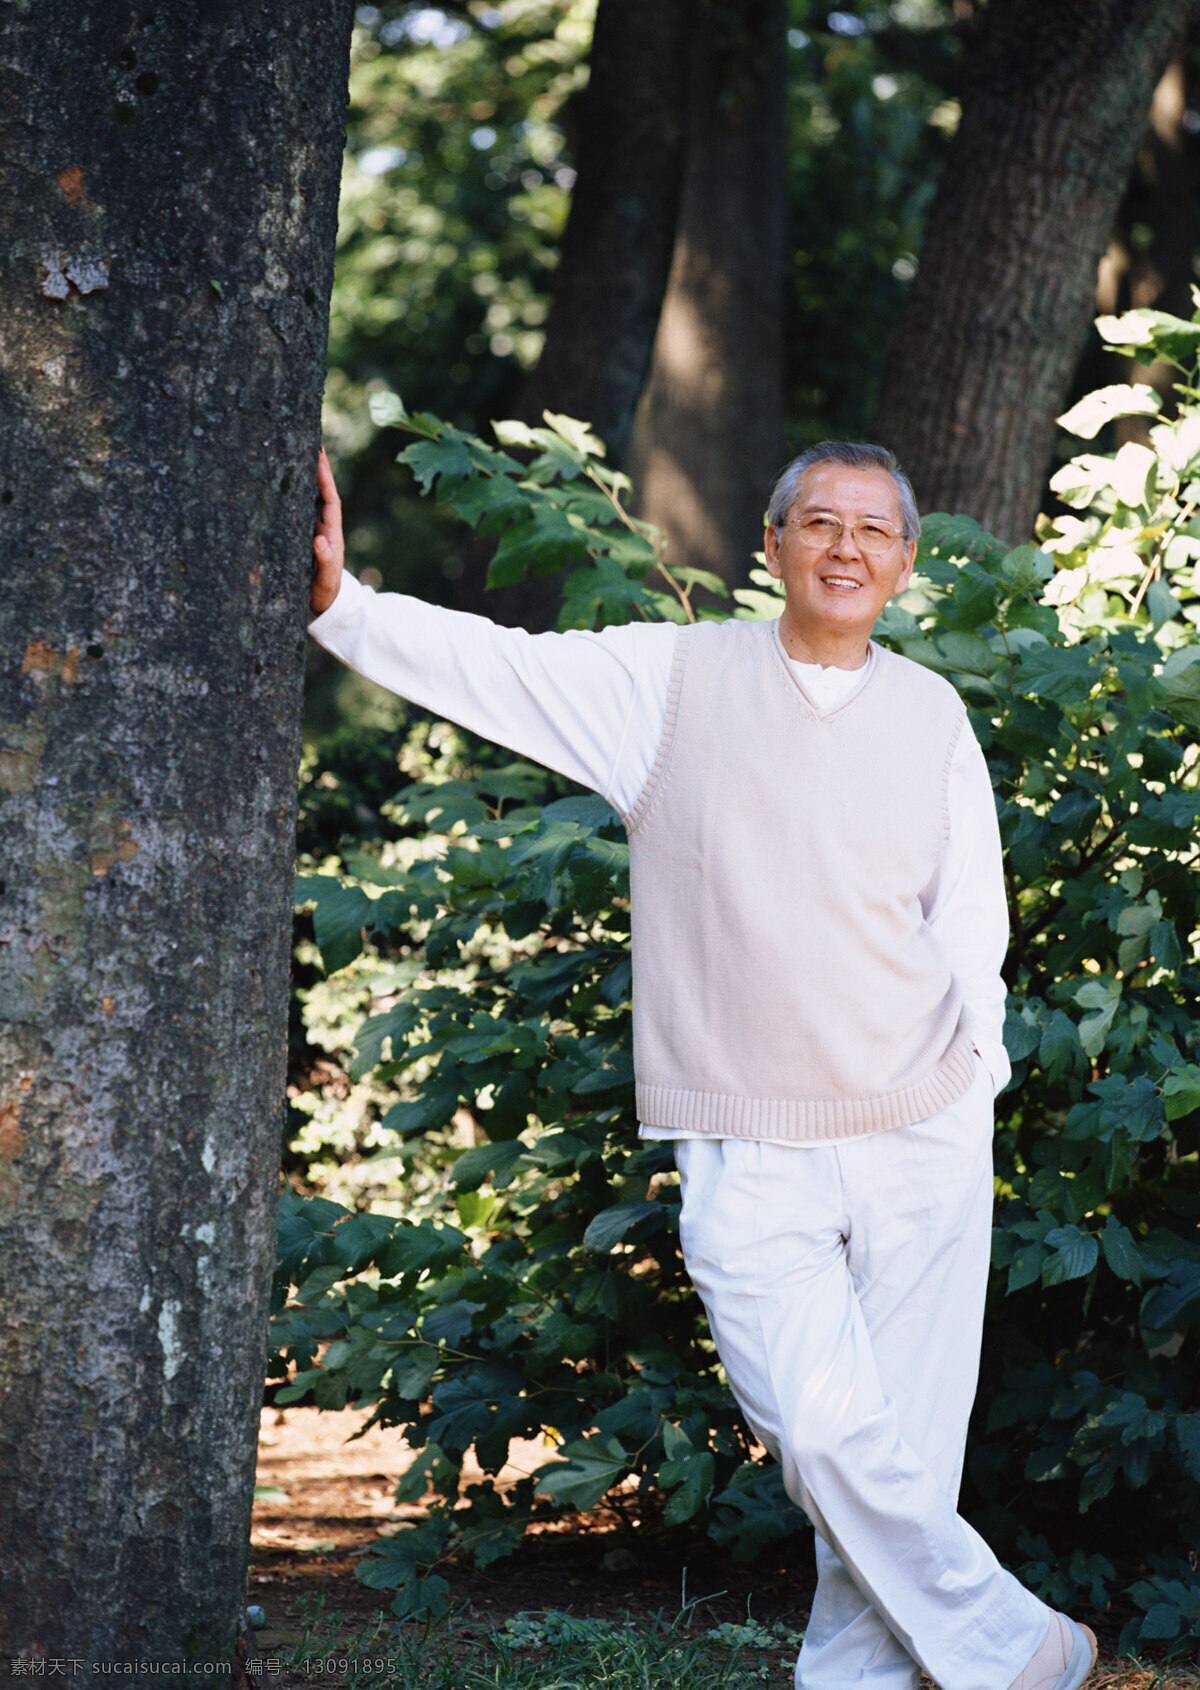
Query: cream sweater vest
(785,983)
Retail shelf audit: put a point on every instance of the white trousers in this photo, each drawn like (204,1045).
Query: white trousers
(844,1287)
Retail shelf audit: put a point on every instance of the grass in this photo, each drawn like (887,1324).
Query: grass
(550,1650)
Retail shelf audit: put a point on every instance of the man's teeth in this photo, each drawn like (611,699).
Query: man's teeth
(839,581)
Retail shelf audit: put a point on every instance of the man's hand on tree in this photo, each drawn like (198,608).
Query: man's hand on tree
(329,552)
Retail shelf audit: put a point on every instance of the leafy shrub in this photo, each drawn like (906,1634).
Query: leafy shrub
(541,1291)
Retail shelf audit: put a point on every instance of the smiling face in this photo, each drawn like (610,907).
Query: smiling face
(835,593)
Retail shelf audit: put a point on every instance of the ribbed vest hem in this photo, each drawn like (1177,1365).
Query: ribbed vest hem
(729,1115)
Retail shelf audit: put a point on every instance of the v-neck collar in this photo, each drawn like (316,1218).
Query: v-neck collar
(868,672)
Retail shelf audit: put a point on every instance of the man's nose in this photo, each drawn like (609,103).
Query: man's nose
(845,545)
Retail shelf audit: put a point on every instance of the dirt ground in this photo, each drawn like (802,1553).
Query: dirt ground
(323,1499)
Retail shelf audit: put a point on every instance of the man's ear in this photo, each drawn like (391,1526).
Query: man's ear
(771,552)
(910,552)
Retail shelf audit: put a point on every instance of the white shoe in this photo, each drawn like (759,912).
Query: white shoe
(1066,1656)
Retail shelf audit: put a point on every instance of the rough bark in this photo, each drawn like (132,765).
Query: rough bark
(1161,195)
(168,190)
(616,251)
(708,431)
(1054,105)
(616,254)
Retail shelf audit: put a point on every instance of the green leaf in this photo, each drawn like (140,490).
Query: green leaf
(339,917)
(753,1511)
(499,1160)
(955,536)
(1060,1051)
(1073,1254)
(1187,1438)
(1026,1266)
(1173,1306)
(599,868)
(426,1245)
(413,1372)
(440,802)
(577,435)
(1154,331)
(1164,1620)
(450,1323)
(433,1108)
(491,502)
(358,1238)
(1081,482)
(1120,1251)
(1133,1418)
(693,1476)
(1027,568)
(1180,683)
(380,1031)
(447,460)
(1103,997)
(432,1469)
(545,541)
(1181,1092)
(590,811)
(1095,410)
(1061,674)
(610,1225)
(1133,474)
(1162,605)
(590,1469)
(511,432)
(392,1560)
(602,593)
(966,654)
(541,854)
(616,1071)
(473,1402)
(386,410)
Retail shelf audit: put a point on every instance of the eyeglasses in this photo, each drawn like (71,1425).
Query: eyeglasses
(816,533)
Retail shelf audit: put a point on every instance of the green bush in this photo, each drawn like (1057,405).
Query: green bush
(536,1287)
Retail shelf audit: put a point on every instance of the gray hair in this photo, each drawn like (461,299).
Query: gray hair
(853,455)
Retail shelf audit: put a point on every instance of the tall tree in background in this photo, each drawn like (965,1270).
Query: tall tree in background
(1054,106)
(631,134)
(167,207)
(709,431)
(1150,252)
(630,137)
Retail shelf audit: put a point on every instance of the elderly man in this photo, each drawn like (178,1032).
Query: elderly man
(819,922)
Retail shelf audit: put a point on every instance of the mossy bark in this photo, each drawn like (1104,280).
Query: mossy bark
(168,191)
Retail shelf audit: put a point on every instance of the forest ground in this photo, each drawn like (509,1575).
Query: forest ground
(322,1500)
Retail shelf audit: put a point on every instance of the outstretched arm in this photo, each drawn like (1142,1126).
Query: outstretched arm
(591,705)
(329,551)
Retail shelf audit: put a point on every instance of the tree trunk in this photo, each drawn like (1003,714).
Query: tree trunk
(616,251)
(616,255)
(708,432)
(1160,197)
(1054,105)
(168,191)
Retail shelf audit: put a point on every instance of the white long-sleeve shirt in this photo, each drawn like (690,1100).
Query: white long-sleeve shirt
(593,707)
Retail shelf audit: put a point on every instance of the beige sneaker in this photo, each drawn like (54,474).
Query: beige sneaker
(1066,1656)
